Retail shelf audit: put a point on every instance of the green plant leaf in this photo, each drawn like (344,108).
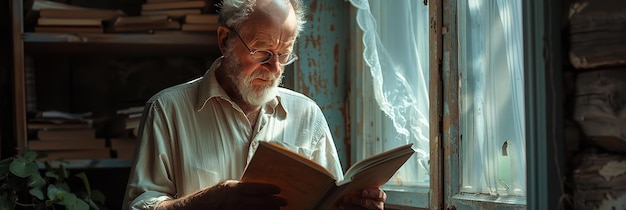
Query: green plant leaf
(22,167)
(54,193)
(66,198)
(36,181)
(49,203)
(83,177)
(60,173)
(29,155)
(52,174)
(74,203)
(37,192)
(63,186)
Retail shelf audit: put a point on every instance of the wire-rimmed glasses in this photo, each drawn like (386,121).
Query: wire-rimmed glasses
(264,56)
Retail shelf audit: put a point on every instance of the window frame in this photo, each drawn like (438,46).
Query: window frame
(361,108)
(451,130)
(544,114)
(542,85)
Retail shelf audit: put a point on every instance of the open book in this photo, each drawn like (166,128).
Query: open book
(307,185)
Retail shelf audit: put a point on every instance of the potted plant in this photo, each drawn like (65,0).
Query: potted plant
(23,185)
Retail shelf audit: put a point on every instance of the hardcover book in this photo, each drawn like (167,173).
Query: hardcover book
(174,5)
(307,185)
(81,13)
(69,22)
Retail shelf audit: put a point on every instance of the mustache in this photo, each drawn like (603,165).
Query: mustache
(261,74)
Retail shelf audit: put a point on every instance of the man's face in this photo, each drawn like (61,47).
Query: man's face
(255,85)
(257,82)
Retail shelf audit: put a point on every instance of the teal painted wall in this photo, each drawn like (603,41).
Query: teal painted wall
(322,70)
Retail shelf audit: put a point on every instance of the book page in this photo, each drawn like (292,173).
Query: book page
(373,171)
(377,159)
(303,182)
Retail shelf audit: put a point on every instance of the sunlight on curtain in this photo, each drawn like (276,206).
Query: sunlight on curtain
(492,112)
(395,39)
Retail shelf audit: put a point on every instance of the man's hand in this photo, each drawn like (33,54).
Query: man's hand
(370,198)
(230,194)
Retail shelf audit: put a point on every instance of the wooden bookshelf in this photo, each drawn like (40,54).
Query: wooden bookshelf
(161,43)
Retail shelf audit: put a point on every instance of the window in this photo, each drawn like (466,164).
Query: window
(390,95)
(499,100)
(491,103)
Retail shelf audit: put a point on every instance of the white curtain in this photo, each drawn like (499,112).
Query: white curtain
(396,50)
(492,112)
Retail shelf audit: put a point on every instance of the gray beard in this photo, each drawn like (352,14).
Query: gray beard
(255,96)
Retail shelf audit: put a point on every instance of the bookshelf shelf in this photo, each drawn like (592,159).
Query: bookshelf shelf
(128,44)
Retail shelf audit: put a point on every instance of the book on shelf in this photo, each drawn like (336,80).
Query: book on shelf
(61,114)
(100,153)
(134,115)
(124,154)
(102,14)
(161,1)
(131,120)
(58,134)
(69,22)
(52,126)
(193,27)
(307,185)
(66,144)
(172,13)
(143,24)
(131,123)
(69,29)
(203,4)
(42,4)
(201,18)
(123,148)
(122,143)
(60,120)
(43,118)
(132,109)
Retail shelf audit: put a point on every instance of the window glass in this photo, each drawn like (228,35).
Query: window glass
(491,98)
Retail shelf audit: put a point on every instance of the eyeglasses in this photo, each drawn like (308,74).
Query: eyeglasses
(264,56)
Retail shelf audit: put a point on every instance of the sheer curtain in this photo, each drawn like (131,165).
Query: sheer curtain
(492,112)
(395,40)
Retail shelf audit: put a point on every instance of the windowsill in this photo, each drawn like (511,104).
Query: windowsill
(405,197)
(517,201)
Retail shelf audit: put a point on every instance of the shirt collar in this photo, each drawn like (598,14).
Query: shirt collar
(210,88)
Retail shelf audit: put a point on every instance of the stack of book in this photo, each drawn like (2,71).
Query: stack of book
(175,9)
(63,135)
(132,118)
(143,24)
(123,147)
(193,15)
(200,23)
(75,20)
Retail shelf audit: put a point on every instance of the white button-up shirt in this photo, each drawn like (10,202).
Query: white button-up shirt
(193,136)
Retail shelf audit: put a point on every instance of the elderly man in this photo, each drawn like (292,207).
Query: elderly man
(196,138)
